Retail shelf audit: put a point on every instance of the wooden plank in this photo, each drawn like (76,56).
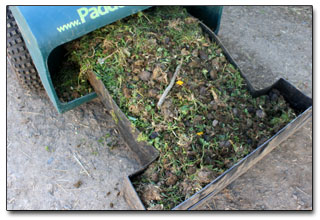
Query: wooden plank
(131,196)
(143,152)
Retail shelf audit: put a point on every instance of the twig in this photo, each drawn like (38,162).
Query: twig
(85,170)
(24,153)
(101,61)
(147,18)
(81,188)
(13,97)
(208,206)
(35,113)
(77,202)
(61,187)
(166,91)
(11,200)
(86,126)
(59,170)
(93,53)
(302,191)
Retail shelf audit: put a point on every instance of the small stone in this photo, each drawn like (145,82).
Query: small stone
(191,170)
(187,123)
(224,144)
(111,205)
(250,109)
(150,170)
(156,207)
(186,187)
(154,135)
(153,93)
(145,75)
(227,143)
(203,55)
(208,161)
(195,53)
(78,184)
(235,111)
(172,180)
(215,63)
(213,74)
(249,122)
(166,40)
(203,90)
(151,193)
(215,122)
(155,177)
(214,105)
(210,116)
(205,176)
(260,113)
(194,63)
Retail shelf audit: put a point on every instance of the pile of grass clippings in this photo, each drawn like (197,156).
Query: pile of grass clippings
(68,84)
(208,121)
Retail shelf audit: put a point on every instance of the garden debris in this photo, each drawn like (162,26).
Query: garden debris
(155,177)
(206,121)
(205,176)
(166,91)
(171,180)
(151,193)
(260,113)
(215,122)
(156,207)
(78,184)
(144,75)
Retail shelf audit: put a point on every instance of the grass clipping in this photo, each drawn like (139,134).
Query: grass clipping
(208,120)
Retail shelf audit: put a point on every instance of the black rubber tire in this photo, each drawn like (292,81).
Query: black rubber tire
(19,57)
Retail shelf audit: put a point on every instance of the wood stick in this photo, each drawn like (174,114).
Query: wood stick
(166,91)
(85,170)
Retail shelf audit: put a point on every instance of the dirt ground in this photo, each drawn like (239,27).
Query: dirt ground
(62,162)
